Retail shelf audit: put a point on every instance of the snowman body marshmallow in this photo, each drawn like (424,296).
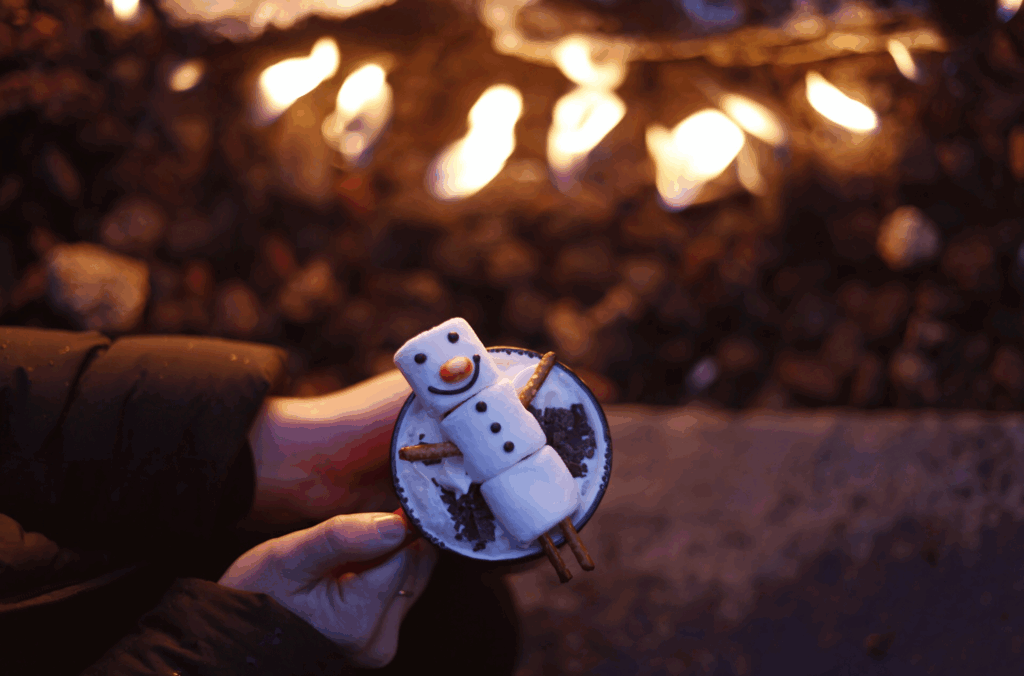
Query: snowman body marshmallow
(524,481)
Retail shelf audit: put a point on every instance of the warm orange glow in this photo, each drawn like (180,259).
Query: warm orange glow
(904,61)
(1008,9)
(698,150)
(848,42)
(573,55)
(584,116)
(283,83)
(251,17)
(186,75)
(748,172)
(124,10)
(754,118)
(467,165)
(364,107)
(581,120)
(837,106)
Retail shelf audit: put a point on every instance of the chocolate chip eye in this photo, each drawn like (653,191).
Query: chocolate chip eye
(495,427)
(420,358)
(453,337)
(481,406)
(508,446)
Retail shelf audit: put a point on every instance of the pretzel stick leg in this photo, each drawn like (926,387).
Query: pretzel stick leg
(549,548)
(576,544)
(420,452)
(540,373)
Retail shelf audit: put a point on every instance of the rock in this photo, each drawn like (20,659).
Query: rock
(956,157)
(524,310)
(970,262)
(843,347)
(907,238)
(587,263)
(310,292)
(925,333)
(41,239)
(932,300)
(854,236)
(912,372)
(354,318)
(31,286)
(603,388)
(677,306)
(424,288)
(737,354)
(135,225)
(866,388)
(808,317)
(1016,152)
(96,288)
(772,396)
(643,274)
(198,279)
(10,190)
(569,329)
(62,174)
(889,306)
(1008,369)
(620,302)
(237,310)
(513,262)
(165,281)
(853,298)
(701,376)
(676,350)
(167,316)
(807,376)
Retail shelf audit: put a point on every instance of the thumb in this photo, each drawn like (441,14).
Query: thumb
(339,540)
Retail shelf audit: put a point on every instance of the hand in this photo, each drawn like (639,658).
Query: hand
(361,613)
(316,457)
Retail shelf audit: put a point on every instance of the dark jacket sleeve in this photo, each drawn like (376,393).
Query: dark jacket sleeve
(204,628)
(135,439)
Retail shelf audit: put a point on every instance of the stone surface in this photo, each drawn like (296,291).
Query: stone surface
(795,543)
(99,290)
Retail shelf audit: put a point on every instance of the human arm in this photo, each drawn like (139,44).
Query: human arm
(316,457)
(285,608)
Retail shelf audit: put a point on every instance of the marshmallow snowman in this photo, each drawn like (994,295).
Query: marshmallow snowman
(524,482)
(494,431)
(446,365)
(532,496)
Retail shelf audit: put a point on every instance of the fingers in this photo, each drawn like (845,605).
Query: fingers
(384,645)
(315,551)
(359,600)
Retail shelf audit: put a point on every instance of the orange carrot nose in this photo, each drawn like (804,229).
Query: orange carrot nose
(456,369)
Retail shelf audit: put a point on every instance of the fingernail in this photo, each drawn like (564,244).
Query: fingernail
(390,528)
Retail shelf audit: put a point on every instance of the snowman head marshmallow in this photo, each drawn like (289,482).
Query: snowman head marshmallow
(446,365)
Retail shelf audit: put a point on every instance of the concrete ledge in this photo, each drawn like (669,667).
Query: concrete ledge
(712,517)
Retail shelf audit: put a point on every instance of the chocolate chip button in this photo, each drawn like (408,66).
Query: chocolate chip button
(453,337)
(509,446)
(481,406)
(495,427)
(420,358)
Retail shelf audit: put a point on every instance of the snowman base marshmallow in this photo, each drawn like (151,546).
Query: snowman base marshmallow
(533,496)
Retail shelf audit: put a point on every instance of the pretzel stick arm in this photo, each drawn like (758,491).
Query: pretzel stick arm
(540,373)
(420,452)
(579,550)
(549,548)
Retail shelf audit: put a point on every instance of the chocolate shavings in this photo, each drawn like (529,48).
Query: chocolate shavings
(473,519)
(568,431)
